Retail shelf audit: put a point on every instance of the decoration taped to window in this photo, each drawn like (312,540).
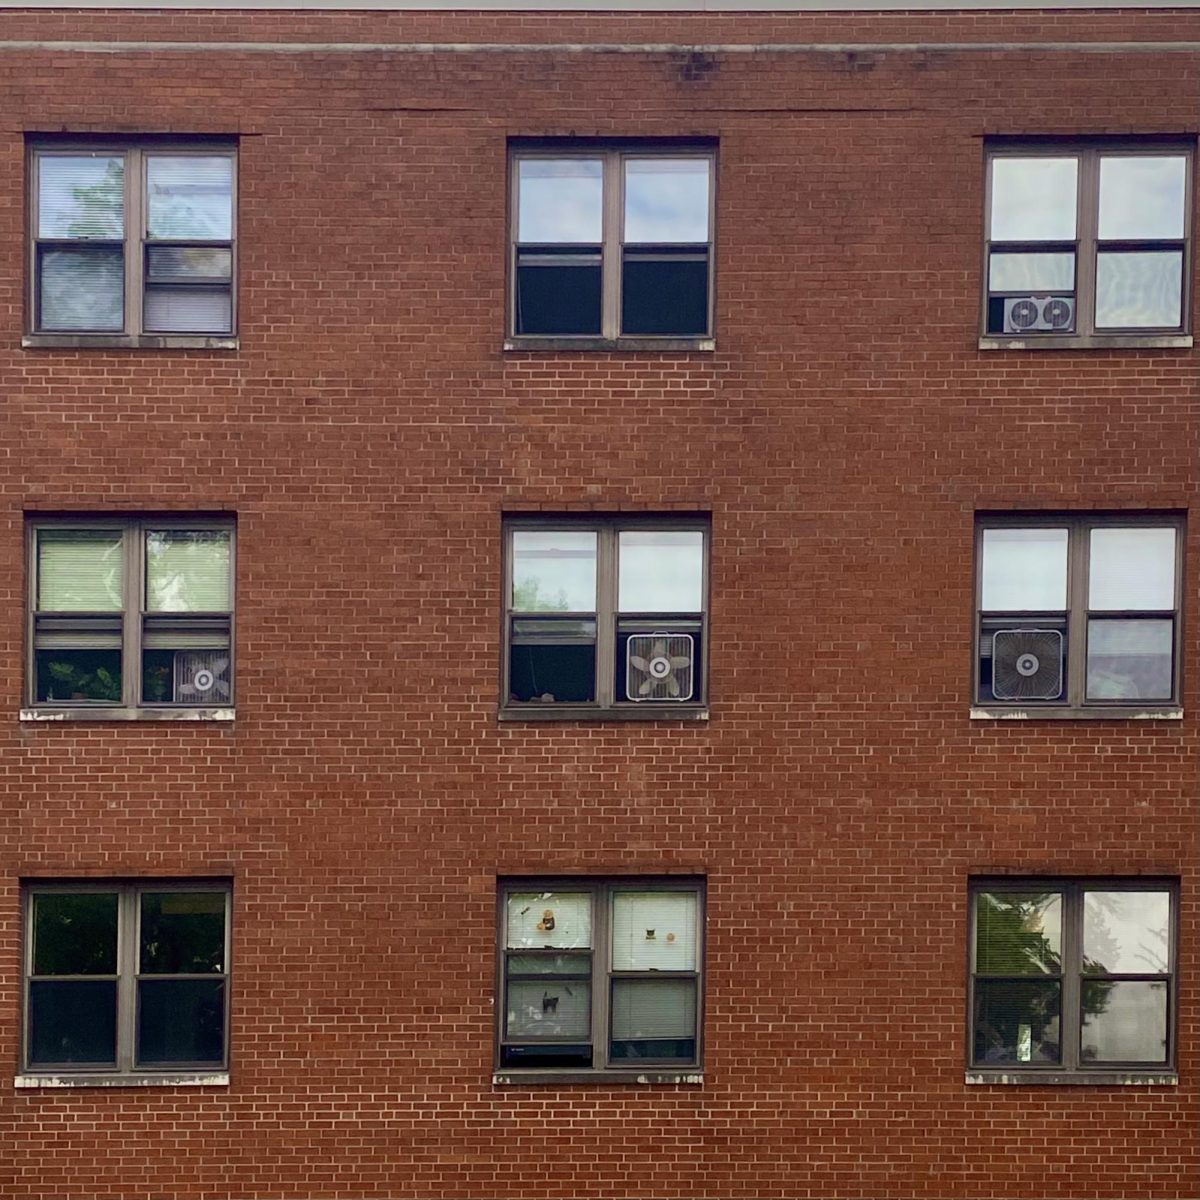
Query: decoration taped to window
(654,931)
(549,920)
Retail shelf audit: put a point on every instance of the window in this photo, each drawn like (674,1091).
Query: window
(123,978)
(1072,976)
(131,614)
(1088,240)
(133,240)
(606,614)
(1079,612)
(600,975)
(612,243)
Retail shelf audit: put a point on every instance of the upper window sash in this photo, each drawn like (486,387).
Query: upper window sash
(1087,240)
(133,239)
(608,243)
(1072,579)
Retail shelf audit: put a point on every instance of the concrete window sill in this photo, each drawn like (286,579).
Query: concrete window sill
(693,1078)
(1074,1078)
(52,716)
(120,341)
(1170,341)
(564,712)
(192,1079)
(983,713)
(620,345)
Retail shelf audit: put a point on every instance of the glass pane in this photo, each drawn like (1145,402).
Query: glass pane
(553,1008)
(75,934)
(653,1008)
(1033,273)
(182,933)
(654,931)
(560,200)
(666,200)
(1024,570)
(547,673)
(1139,290)
(81,290)
(1017,1022)
(549,920)
(188,570)
(549,964)
(1132,569)
(186,676)
(1142,196)
(554,570)
(73,1022)
(1124,1021)
(189,196)
(1129,660)
(81,196)
(1018,933)
(664,296)
(660,570)
(1033,199)
(181,1021)
(189,310)
(79,570)
(1126,933)
(182,264)
(559,297)
(64,674)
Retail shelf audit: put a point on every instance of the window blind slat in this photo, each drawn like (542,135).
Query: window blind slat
(189,196)
(653,1008)
(79,570)
(654,931)
(81,196)
(188,571)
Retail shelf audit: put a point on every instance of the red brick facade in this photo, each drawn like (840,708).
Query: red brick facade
(369,433)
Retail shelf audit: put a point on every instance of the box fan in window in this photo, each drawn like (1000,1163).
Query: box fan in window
(1027,664)
(1039,314)
(202,676)
(660,666)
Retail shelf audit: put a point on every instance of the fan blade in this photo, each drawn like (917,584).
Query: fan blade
(679,662)
(638,661)
(659,650)
(672,685)
(646,687)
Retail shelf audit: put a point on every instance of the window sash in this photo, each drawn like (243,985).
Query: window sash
(602,974)
(136,241)
(613,248)
(1072,976)
(1078,613)
(136,629)
(127,976)
(607,616)
(1087,245)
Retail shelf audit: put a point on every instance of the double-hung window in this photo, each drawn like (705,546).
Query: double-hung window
(1072,976)
(126,979)
(133,615)
(134,243)
(612,243)
(606,615)
(1088,241)
(600,975)
(1079,615)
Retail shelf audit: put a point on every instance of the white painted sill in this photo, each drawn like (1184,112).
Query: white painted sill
(1170,341)
(59,715)
(693,1077)
(983,713)
(127,341)
(190,1079)
(1074,1078)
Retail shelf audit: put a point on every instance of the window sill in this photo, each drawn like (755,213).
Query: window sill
(51,715)
(120,341)
(178,1079)
(1122,713)
(1074,1078)
(1169,341)
(571,712)
(693,1077)
(619,345)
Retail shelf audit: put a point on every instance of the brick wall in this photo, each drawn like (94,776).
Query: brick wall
(369,433)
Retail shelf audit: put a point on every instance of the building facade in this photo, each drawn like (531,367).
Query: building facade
(599,604)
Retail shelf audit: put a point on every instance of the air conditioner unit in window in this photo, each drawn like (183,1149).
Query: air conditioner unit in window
(660,666)
(1039,314)
(1027,664)
(202,676)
